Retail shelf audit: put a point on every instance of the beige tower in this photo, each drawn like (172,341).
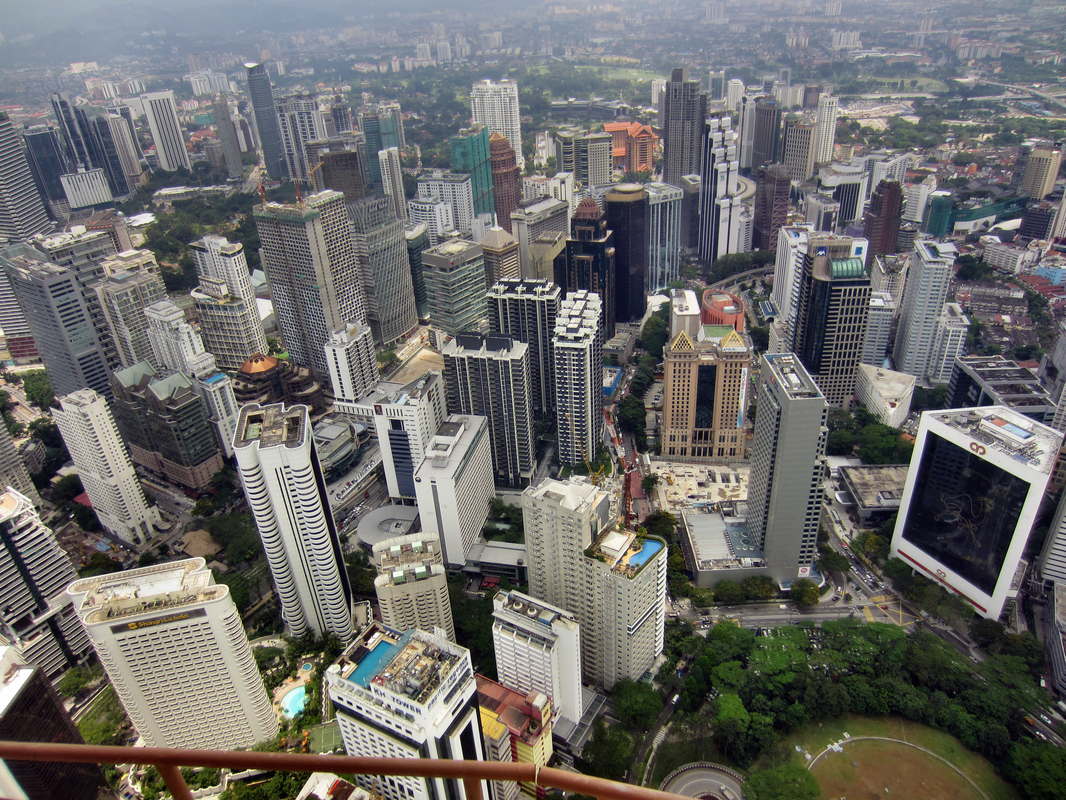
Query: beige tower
(411,586)
(1041,171)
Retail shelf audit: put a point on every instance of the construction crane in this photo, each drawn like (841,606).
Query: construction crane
(596,476)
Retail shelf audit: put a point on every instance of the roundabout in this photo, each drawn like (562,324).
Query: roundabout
(704,780)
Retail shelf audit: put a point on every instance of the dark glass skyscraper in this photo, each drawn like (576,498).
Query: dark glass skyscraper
(44,151)
(767,139)
(382,124)
(471,154)
(771,204)
(588,261)
(684,107)
(266,120)
(627,216)
(70,126)
(882,218)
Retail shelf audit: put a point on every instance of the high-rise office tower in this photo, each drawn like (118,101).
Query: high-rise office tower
(405,421)
(22,211)
(59,320)
(684,108)
(950,342)
(716,85)
(13,473)
(517,728)
(312,264)
(18,338)
(976,479)
(745,132)
(489,376)
(435,218)
(1041,171)
(454,273)
(75,138)
(495,105)
(121,136)
(111,153)
(626,205)
(577,345)
(453,485)
(352,368)
(392,182)
(231,151)
(407,695)
(411,586)
(471,154)
(502,260)
(827,128)
(721,228)
(588,261)
(36,615)
(225,302)
(32,711)
(123,296)
(734,91)
(538,649)
(664,234)
(705,393)
(300,123)
(207,692)
(881,220)
(381,248)
(417,243)
(266,121)
(613,583)
(104,466)
(165,424)
(889,274)
(879,323)
(382,124)
(766,143)
(928,279)
(343,164)
(454,188)
(799,145)
(997,381)
(831,318)
(506,179)
(531,220)
(847,183)
(286,493)
(884,165)
(47,161)
(526,310)
(787,467)
(587,156)
(772,187)
(162,115)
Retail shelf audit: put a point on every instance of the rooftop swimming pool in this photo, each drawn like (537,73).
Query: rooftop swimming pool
(293,703)
(371,662)
(649,549)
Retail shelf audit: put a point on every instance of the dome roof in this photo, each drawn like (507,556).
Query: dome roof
(259,363)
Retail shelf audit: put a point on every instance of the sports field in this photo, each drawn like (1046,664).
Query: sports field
(869,769)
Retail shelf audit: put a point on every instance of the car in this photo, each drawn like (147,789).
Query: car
(837,597)
(884,608)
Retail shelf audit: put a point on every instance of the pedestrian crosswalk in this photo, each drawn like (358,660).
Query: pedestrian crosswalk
(869,614)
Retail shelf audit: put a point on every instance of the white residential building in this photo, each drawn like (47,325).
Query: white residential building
(392,181)
(436,215)
(283,482)
(538,649)
(301,123)
(453,188)
(951,330)
(162,115)
(928,279)
(577,345)
(878,328)
(353,369)
(917,196)
(495,104)
(453,485)
(87,188)
(411,586)
(104,466)
(405,421)
(886,394)
(827,128)
(207,692)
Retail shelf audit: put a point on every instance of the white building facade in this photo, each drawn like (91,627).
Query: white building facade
(495,104)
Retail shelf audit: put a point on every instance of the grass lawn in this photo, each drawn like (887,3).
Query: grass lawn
(872,769)
(815,738)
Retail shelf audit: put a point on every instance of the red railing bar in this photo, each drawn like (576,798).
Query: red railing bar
(169,760)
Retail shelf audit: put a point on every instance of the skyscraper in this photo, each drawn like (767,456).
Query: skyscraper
(381,248)
(720,206)
(684,108)
(1041,170)
(831,318)
(70,126)
(32,711)
(489,376)
(392,181)
(104,466)
(345,166)
(772,188)
(418,242)
(587,156)
(44,153)
(266,121)
(231,151)
(352,368)
(577,345)
(13,473)
(787,467)
(405,421)
(455,281)
(531,220)
(577,561)
(300,123)
(506,179)
(207,692)
(123,295)
(501,256)
(976,479)
(588,261)
(225,302)
(526,310)
(286,493)
(382,124)
(664,234)
(881,220)
(471,154)
(626,205)
(928,278)
(411,586)
(311,261)
(798,148)
(22,212)
(162,115)
(766,144)
(415,698)
(705,393)
(827,128)
(745,133)
(495,105)
(454,188)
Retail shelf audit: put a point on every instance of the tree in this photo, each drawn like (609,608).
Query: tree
(1039,769)
(38,389)
(74,681)
(636,704)
(99,564)
(654,336)
(729,592)
(631,416)
(66,489)
(759,587)
(840,443)
(804,593)
(607,752)
(86,518)
(834,562)
(760,338)
(970,269)
(787,782)
(649,482)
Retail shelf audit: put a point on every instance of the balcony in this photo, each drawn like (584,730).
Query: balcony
(169,762)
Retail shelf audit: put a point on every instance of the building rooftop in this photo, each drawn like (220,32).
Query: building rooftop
(387,522)
(875,486)
(572,495)
(1006,430)
(14,677)
(447,450)
(786,370)
(531,609)
(889,384)
(410,664)
(271,426)
(721,542)
(624,551)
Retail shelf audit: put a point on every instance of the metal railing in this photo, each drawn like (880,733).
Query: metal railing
(169,762)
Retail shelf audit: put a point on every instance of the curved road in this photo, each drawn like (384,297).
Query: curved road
(700,781)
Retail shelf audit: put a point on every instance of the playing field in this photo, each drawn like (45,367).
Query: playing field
(874,769)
